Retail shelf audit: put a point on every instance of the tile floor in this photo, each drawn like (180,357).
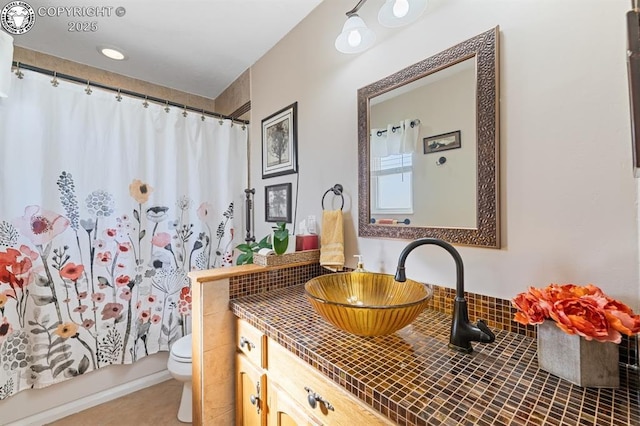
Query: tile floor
(156,405)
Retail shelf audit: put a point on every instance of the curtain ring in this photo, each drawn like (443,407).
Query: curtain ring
(166,106)
(54,81)
(118,96)
(184,112)
(145,103)
(202,117)
(19,73)
(88,90)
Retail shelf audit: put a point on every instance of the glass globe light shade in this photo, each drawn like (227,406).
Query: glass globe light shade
(355,37)
(396,13)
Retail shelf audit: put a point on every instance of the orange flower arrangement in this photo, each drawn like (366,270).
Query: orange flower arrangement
(582,310)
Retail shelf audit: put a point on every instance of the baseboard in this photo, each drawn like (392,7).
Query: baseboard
(92,400)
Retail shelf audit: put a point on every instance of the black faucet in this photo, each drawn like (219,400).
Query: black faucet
(462,331)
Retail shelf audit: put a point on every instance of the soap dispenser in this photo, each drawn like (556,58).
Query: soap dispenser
(360,267)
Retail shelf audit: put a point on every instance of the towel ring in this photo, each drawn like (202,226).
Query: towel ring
(337,190)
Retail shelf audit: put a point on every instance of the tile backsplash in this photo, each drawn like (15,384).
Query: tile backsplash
(272,279)
(496,312)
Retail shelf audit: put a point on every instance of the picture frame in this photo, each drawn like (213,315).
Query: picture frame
(277,203)
(280,142)
(443,142)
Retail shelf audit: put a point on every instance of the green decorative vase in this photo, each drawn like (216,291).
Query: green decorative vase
(280,246)
(280,238)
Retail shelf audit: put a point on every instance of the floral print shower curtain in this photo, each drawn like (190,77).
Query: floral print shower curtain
(106,204)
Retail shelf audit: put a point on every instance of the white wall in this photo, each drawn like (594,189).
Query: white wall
(567,189)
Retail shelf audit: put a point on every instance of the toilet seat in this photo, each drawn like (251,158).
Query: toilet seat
(181,350)
(181,359)
(180,368)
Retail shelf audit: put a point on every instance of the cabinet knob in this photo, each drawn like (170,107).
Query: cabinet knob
(313,398)
(244,341)
(255,399)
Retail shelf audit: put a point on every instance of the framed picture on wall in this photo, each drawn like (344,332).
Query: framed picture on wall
(279,143)
(277,200)
(442,142)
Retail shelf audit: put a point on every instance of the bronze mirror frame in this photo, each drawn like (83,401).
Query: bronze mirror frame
(633,71)
(484,47)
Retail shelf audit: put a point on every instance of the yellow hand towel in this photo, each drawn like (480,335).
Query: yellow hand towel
(332,240)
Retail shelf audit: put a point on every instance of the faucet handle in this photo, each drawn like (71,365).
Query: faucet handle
(485,329)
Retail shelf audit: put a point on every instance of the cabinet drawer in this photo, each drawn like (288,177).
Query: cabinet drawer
(298,379)
(252,342)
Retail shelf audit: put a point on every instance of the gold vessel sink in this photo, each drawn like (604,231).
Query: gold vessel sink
(367,303)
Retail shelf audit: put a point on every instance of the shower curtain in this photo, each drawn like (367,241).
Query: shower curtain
(106,203)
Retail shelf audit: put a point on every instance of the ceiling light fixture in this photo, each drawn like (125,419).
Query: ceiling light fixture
(112,53)
(396,13)
(6,58)
(356,37)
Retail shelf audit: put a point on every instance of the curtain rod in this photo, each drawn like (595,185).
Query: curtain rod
(21,65)
(413,124)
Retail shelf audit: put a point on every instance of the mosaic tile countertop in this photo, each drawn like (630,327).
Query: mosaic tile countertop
(414,379)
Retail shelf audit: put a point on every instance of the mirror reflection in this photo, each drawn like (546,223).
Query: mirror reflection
(423,152)
(428,148)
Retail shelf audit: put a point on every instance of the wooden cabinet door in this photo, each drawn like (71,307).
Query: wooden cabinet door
(283,411)
(251,407)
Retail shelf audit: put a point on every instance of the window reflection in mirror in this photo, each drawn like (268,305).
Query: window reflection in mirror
(391,185)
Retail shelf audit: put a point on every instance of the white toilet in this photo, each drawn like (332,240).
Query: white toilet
(179,365)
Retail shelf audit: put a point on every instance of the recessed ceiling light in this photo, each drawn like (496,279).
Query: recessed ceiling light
(112,53)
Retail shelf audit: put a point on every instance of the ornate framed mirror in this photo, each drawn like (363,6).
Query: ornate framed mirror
(633,71)
(428,148)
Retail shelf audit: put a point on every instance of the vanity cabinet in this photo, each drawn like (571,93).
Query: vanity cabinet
(290,391)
